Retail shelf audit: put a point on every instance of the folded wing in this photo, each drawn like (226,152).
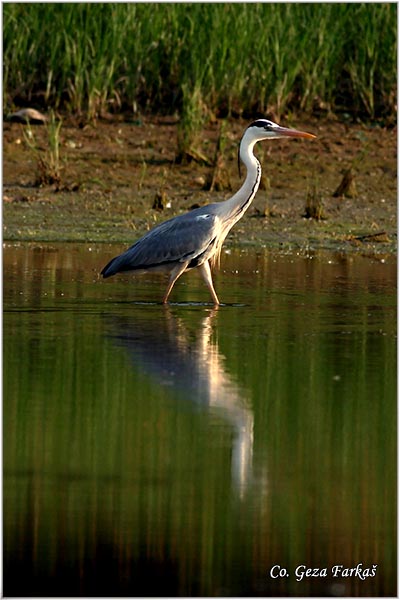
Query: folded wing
(181,239)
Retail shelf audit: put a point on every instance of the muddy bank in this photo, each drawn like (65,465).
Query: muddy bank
(113,172)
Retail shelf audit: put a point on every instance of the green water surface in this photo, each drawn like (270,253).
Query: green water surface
(187,450)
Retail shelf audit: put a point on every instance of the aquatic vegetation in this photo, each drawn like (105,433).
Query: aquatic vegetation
(225,58)
(347,187)
(48,160)
(314,206)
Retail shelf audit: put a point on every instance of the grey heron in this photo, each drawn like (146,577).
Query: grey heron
(195,239)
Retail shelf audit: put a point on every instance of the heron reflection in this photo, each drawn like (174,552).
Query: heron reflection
(189,363)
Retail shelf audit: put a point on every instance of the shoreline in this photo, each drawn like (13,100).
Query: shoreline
(113,173)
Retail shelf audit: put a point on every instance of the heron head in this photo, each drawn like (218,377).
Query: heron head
(262,129)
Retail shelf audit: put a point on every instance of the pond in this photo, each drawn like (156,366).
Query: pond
(193,451)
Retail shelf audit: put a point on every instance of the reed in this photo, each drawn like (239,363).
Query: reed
(232,58)
(48,160)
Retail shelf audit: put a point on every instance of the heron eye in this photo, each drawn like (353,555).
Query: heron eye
(269,126)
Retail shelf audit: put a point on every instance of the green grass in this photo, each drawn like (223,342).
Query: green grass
(229,58)
(49,164)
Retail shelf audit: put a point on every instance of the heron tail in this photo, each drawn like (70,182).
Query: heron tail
(111,268)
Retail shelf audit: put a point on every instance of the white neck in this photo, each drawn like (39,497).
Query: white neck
(235,207)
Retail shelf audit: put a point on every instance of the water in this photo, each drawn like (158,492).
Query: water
(186,450)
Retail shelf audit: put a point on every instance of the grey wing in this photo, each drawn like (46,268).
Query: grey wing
(180,239)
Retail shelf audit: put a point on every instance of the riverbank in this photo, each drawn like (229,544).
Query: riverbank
(119,178)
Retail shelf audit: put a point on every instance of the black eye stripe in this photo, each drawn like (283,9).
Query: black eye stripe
(263,124)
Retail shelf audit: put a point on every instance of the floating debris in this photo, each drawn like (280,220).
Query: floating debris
(380,237)
(28,116)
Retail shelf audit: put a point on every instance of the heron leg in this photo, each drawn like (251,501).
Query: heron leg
(205,271)
(175,273)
